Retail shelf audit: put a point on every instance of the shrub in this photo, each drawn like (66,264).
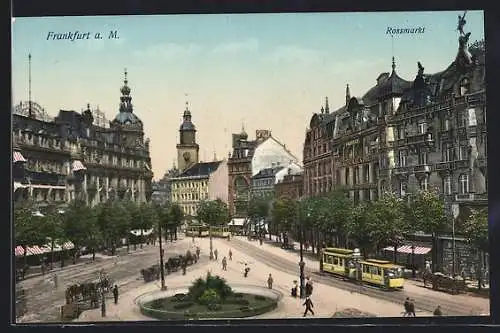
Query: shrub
(245,309)
(183,305)
(239,301)
(179,297)
(260,298)
(213,307)
(238,295)
(210,296)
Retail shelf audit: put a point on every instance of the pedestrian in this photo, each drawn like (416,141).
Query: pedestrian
(406,306)
(224,264)
(115,293)
(309,306)
(294,288)
(230,255)
(270,281)
(55,281)
(412,308)
(198,252)
(438,312)
(309,287)
(216,254)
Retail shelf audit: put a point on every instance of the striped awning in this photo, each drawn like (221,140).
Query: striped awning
(18,157)
(78,165)
(37,250)
(408,249)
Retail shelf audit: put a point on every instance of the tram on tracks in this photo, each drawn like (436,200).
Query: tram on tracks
(344,264)
(204,231)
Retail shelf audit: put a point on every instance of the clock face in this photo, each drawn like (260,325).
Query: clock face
(187,156)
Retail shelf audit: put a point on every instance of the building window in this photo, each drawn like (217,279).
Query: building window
(401,132)
(402,188)
(464,87)
(462,119)
(347,176)
(463,152)
(447,185)
(422,127)
(422,157)
(448,152)
(424,184)
(463,181)
(402,158)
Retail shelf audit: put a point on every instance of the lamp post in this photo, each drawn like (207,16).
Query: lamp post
(455,210)
(413,273)
(103,299)
(162,266)
(302,263)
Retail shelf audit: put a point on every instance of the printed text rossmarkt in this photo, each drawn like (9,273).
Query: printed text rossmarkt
(401,31)
(78,35)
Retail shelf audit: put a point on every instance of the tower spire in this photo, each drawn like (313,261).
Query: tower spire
(327,107)
(393,65)
(30,110)
(347,94)
(125,98)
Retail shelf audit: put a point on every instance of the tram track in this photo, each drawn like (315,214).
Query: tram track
(424,302)
(43,301)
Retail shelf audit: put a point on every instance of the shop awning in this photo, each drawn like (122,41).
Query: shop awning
(143,233)
(78,165)
(18,157)
(37,250)
(238,221)
(408,249)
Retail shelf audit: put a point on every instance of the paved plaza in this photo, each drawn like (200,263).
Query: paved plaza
(327,299)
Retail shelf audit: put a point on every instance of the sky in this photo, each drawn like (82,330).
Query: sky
(263,71)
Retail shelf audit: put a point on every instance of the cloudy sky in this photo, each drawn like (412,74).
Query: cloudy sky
(268,71)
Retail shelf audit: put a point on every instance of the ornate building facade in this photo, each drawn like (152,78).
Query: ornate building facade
(248,158)
(191,187)
(404,135)
(289,182)
(263,182)
(74,157)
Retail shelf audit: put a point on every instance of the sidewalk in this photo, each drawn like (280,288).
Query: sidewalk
(327,299)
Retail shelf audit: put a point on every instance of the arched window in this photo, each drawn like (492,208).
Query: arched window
(447,185)
(463,182)
(464,87)
(424,184)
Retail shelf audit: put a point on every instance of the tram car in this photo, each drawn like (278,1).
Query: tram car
(197,231)
(342,263)
(221,232)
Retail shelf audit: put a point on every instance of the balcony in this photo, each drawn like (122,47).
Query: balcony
(482,162)
(446,134)
(447,165)
(465,197)
(425,138)
(44,178)
(476,99)
(403,170)
(422,168)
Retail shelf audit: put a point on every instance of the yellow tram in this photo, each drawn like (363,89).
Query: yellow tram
(204,231)
(341,262)
(197,231)
(222,232)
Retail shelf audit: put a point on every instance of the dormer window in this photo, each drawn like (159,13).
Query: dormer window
(464,87)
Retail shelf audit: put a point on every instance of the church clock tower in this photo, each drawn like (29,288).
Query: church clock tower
(187,148)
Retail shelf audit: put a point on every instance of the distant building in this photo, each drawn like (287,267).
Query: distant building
(218,183)
(263,182)
(289,182)
(75,156)
(248,158)
(162,192)
(191,187)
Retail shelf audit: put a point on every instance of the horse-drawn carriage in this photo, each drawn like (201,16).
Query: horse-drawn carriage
(172,264)
(88,291)
(440,281)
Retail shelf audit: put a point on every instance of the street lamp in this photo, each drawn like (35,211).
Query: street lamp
(413,273)
(455,210)
(302,263)
(356,255)
(162,267)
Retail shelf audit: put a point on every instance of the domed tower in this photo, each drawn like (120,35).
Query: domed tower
(129,128)
(187,148)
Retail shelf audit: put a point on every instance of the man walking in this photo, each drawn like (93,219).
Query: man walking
(406,306)
(216,254)
(438,312)
(224,264)
(309,287)
(270,281)
(230,255)
(309,306)
(115,293)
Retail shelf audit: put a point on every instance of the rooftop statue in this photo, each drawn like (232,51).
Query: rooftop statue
(461,23)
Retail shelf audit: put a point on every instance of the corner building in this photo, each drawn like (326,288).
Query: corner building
(405,135)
